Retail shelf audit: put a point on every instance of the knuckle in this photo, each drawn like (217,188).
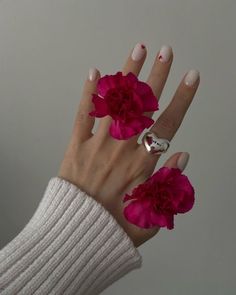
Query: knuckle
(158,75)
(141,169)
(87,94)
(81,116)
(147,172)
(167,123)
(148,168)
(137,172)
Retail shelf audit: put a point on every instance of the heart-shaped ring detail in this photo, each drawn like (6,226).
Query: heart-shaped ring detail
(154,144)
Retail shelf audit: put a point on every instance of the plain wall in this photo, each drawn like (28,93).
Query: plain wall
(46,49)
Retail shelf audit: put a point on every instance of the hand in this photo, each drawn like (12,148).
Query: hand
(107,168)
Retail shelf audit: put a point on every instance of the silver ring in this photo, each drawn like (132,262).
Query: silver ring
(154,144)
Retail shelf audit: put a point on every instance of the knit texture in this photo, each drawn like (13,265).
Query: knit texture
(71,245)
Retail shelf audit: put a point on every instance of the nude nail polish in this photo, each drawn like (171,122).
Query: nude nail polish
(183,160)
(138,52)
(165,53)
(92,74)
(191,77)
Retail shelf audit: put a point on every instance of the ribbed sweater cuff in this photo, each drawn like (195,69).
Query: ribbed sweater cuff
(71,245)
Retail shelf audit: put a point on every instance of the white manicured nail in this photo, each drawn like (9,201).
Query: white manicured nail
(183,160)
(92,74)
(165,53)
(191,77)
(138,52)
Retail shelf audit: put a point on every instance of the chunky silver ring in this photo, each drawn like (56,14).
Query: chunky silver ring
(154,144)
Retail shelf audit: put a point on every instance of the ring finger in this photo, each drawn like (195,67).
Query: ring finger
(171,118)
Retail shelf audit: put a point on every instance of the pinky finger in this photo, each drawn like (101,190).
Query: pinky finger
(84,123)
(178,160)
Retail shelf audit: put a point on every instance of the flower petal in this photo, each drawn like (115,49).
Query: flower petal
(127,197)
(170,221)
(100,107)
(183,199)
(163,195)
(141,122)
(120,130)
(162,220)
(143,215)
(131,79)
(162,174)
(150,102)
(135,213)
(109,81)
(183,202)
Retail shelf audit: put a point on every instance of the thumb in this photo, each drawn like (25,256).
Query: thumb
(178,160)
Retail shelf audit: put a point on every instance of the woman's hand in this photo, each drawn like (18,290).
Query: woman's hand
(107,168)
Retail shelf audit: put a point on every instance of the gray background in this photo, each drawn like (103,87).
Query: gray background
(46,49)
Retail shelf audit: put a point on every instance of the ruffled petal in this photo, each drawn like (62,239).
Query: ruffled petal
(137,214)
(170,221)
(162,220)
(120,130)
(183,202)
(141,123)
(149,100)
(127,197)
(142,214)
(161,175)
(109,81)
(131,80)
(183,199)
(100,107)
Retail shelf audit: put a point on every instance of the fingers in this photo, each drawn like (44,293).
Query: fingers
(133,64)
(135,60)
(159,72)
(169,121)
(84,123)
(157,78)
(178,160)
(171,118)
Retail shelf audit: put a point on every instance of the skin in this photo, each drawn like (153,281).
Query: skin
(106,168)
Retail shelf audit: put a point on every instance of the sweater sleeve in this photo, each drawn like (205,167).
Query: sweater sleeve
(71,245)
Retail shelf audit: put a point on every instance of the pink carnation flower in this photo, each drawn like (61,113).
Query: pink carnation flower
(156,201)
(125,99)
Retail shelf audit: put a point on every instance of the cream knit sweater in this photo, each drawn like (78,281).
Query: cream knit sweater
(71,245)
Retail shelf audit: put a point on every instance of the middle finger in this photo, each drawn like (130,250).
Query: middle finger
(157,79)
(171,118)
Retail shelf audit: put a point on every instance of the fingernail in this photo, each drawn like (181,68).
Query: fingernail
(183,160)
(191,77)
(165,53)
(138,51)
(92,74)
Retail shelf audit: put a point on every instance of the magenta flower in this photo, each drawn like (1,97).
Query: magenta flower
(156,201)
(125,99)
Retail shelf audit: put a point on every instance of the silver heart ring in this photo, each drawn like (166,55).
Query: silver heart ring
(154,144)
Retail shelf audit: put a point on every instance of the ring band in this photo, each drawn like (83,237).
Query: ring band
(154,144)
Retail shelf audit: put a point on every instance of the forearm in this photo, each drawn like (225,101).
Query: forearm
(71,245)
